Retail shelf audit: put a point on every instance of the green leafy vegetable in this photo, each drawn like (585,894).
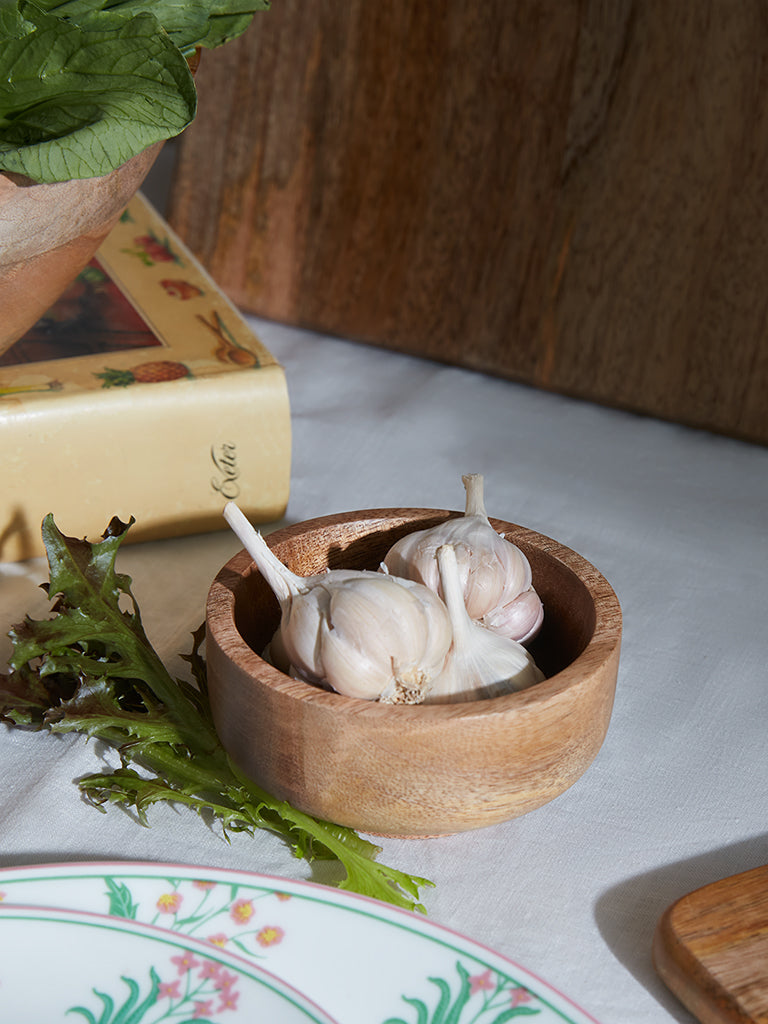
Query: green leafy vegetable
(87,84)
(91,669)
(189,23)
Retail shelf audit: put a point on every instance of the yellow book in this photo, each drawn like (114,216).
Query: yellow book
(141,393)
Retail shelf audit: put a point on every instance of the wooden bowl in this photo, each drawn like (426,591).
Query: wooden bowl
(49,232)
(412,770)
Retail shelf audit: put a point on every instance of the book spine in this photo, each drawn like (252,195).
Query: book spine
(169,454)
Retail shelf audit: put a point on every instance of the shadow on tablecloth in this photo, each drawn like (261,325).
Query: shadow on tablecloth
(627,914)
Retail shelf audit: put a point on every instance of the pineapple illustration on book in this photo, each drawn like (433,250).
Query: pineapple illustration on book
(153,372)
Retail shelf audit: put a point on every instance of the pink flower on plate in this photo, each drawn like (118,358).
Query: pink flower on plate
(478,982)
(209,969)
(241,911)
(2,896)
(270,936)
(225,982)
(519,995)
(219,939)
(169,903)
(185,962)
(200,883)
(169,989)
(228,1001)
(203,1009)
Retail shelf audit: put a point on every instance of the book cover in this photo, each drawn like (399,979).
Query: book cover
(142,392)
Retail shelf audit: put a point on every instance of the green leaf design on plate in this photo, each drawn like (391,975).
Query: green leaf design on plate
(129,1012)
(481,996)
(120,900)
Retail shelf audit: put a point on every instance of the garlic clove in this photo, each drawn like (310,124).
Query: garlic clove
(349,670)
(300,627)
(383,640)
(482,664)
(493,573)
(520,619)
(275,654)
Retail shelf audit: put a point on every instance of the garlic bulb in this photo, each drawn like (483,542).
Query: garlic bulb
(362,633)
(482,663)
(495,574)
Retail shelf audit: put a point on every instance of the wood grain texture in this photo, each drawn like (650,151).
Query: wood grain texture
(412,770)
(569,193)
(711,949)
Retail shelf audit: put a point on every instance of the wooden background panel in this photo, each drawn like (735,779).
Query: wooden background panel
(567,193)
(662,207)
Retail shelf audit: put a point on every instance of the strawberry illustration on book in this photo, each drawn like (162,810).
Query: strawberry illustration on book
(153,372)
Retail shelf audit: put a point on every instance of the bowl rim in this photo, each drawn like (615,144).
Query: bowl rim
(602,646)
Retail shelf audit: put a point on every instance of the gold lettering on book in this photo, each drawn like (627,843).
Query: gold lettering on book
(224,458)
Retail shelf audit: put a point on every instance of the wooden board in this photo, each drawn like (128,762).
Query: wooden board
(711,949)
(568,193)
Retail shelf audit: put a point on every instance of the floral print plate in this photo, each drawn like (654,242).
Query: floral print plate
(362,961)
(110,970)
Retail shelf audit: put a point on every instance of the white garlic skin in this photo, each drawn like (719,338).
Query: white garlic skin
(369,636)
(481,664)
(361,633)
(495,574)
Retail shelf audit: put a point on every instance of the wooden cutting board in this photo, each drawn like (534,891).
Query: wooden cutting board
(711,949)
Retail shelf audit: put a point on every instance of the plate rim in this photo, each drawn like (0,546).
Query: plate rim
(169,936)
(329,895)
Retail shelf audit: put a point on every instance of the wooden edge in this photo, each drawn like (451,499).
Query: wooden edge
(687,978)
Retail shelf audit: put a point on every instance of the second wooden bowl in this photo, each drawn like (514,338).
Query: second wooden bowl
(412,770)
(49,232)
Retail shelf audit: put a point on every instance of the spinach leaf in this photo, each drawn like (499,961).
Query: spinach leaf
(78,100)
(87,84)
(229,19)
(189,23)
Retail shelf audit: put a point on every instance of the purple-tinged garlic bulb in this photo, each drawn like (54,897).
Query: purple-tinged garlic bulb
(495,574)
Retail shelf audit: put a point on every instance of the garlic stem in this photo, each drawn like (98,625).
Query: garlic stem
(475,502)
(481,664)
(453,594)
(283,583)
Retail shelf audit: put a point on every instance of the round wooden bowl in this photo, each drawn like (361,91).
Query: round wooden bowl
(49,232)
(412,770)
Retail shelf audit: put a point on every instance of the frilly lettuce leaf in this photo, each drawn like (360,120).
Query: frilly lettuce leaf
(91,669)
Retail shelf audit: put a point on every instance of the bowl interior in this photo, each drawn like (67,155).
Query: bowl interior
(362,541)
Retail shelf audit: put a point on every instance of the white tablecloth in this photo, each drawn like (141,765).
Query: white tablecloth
(676,519)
